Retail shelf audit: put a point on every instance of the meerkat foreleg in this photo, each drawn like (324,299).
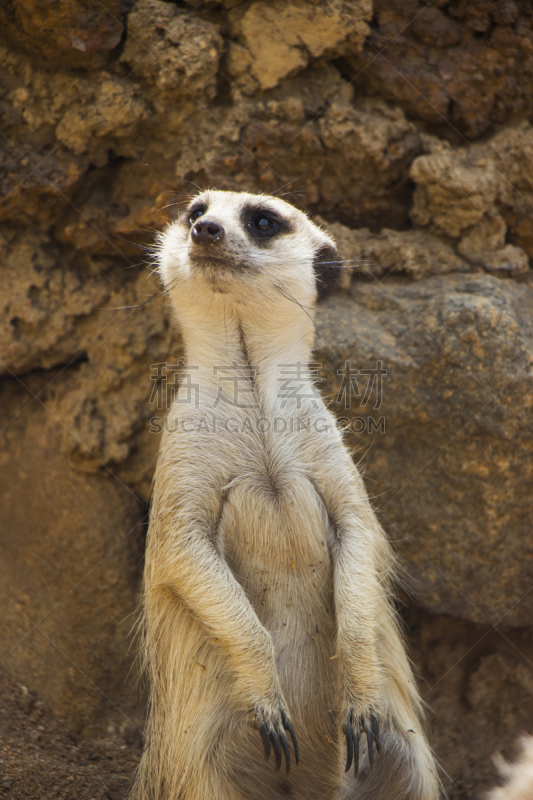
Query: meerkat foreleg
(360,557)
(356,600)
(378,703)
(195,573)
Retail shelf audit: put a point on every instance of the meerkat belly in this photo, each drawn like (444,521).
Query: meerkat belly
(275,543)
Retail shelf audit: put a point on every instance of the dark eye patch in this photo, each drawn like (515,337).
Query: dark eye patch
(262,223)
(327,269)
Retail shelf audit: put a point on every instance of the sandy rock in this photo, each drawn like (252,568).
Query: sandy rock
(511,151)
(36,185)
(57,126)
(281,38)
(510,262)
(455,188)
(44,307)
(174,50)
(37,174)
(112,330)
(117,210)
(484,687)
(112,397)
(451,465)
(475,682)
(225,3)
(460,65)
(483,194)
(72,546)
(487,235)
(368,150)
(39,98)
(74,33)
(417,254)
(115,114)
(360,152)
(484,245)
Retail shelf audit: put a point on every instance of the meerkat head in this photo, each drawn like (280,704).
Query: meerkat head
(246,245)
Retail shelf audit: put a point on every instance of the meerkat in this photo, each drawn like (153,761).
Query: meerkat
(269,632)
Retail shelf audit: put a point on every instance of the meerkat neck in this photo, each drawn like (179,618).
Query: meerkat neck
(267,344)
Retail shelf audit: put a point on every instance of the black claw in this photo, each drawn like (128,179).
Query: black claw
(375,730)
(356,755)
(285,746)
(349,748)
(277,749)
(370,748)
(263,730)
(288,727)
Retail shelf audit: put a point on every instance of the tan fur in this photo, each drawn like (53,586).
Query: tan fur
(267,579)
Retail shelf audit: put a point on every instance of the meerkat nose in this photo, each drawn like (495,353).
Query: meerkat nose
(205,231)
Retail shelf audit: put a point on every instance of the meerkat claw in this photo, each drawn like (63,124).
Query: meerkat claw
(349,747)
(371,729)
(263,730)
(283,740)
(375,731)
(353,730)
(356,755)
(288,727)
(370,748)
(277,750)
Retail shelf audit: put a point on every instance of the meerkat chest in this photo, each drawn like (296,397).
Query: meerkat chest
(275,539)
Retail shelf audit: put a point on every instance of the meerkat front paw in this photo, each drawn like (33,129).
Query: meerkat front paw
(272,722)
(355,726)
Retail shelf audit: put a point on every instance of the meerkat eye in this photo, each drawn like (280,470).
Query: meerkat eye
(263,225)
(195,214)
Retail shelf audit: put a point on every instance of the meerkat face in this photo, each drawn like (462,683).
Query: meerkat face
(240,243)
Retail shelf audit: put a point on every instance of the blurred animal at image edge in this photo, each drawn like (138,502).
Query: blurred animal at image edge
(518,775)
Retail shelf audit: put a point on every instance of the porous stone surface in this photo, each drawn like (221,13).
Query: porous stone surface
(451,466)
(416,253)
(460,65)
(74,33)
(280,39)
(172,49)
(72,547)
(405,129)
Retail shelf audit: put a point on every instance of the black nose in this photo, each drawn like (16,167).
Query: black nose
(205,231)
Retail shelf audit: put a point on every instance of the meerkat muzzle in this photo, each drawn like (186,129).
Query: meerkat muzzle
(206,231)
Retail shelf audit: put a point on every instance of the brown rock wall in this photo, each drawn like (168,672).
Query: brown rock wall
(461,66)
(72,547)
(419,161)
(451,467)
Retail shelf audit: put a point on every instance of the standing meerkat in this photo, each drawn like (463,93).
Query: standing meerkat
(268,624)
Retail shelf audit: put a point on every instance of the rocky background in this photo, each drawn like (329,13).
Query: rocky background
(404,127)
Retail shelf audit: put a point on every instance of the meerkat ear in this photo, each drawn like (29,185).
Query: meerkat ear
(327,269)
